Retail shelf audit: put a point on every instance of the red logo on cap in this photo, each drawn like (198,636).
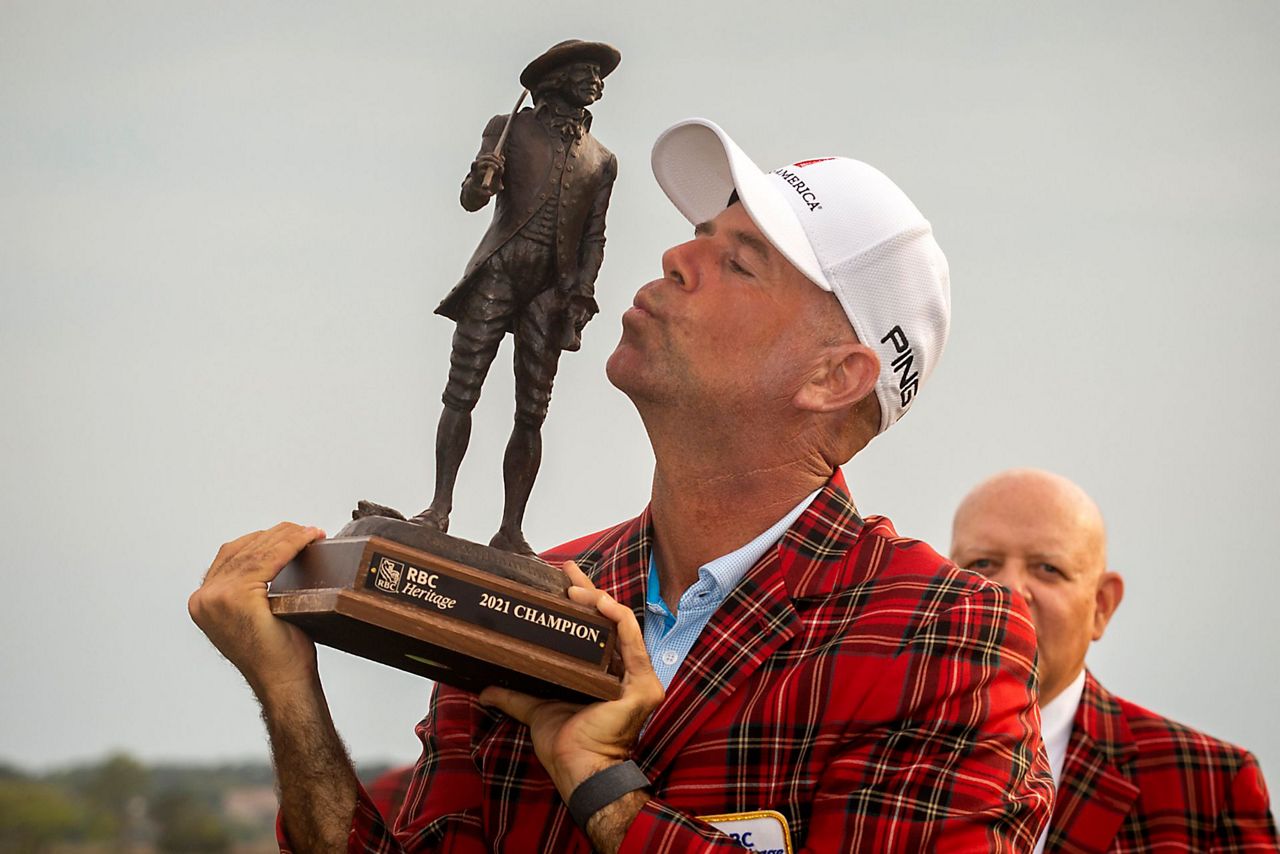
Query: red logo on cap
(803,163)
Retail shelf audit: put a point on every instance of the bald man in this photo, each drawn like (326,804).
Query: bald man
(1128,779)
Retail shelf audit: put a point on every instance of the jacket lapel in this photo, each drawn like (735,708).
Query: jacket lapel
(754,621)
(1096,792)
(623,567)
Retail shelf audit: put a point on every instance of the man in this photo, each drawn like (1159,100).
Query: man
(803,675)
(533,273)
(1128,779)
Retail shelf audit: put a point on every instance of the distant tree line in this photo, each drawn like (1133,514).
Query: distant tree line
(120,804)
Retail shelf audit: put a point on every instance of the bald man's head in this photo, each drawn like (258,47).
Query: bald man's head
(1042,536)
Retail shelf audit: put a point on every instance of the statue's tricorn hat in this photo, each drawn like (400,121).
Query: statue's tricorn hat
(605,56)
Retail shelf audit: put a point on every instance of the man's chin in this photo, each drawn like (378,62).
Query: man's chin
(628,373)
(615,368)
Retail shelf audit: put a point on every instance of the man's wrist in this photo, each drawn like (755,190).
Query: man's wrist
(604,788)
(285,695)
(608,827)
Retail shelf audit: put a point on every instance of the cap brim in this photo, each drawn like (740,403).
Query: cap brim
(699,167)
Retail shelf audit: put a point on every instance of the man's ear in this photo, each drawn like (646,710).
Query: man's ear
(845,374)
(1110,592)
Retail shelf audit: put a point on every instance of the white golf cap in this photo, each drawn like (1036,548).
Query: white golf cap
(846,227)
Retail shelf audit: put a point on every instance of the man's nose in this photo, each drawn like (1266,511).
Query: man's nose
(1022,588)
(678,265)
(1015,579)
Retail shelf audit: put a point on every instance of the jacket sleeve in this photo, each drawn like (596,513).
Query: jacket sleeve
(442,807)
(1247,823)
(591,251)
(958,765)
(471,198)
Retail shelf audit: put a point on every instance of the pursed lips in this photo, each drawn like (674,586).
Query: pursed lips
(644,303)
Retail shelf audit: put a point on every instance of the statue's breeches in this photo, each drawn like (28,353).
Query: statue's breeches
(514,289)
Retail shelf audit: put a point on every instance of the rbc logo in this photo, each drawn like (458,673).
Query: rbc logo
(388,575)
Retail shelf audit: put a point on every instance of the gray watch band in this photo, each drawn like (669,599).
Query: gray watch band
(603,788)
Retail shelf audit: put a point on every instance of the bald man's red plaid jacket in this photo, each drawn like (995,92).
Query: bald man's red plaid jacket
(1135,781)
(878,697)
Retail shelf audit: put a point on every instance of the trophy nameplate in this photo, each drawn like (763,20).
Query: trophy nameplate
(450,610)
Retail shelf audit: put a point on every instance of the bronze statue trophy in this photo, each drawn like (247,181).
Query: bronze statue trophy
(404,592)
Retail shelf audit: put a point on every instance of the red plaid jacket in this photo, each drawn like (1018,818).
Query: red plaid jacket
(388,791)
(878,697)
(1134,781)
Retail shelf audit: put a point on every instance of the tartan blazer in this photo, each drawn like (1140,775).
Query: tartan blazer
(855,681)
(1135,781)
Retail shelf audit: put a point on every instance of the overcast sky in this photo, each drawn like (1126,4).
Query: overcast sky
(224,228)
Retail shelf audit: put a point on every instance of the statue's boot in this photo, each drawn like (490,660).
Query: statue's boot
(511,541)
(434,519)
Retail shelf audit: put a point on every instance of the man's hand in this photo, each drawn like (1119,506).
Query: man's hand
(231,608)
(572,741)
(317,784)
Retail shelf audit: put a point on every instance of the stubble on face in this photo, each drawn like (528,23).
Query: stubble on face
(724,329)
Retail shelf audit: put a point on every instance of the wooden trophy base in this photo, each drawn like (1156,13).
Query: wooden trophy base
(460,613)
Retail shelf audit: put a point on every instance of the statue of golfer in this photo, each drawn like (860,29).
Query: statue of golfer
(534,273)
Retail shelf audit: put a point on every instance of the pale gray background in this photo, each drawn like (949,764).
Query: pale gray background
(224,227)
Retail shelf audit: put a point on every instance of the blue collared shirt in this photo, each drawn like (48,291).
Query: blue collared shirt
(669,637)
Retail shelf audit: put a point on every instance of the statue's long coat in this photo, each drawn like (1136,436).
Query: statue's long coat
(586,183)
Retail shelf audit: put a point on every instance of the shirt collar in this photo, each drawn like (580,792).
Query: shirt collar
(1056,719)
(724,572)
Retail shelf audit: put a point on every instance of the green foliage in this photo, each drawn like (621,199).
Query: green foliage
(34,814)
(118,803)
(186,824)
(11,772)
(116,782)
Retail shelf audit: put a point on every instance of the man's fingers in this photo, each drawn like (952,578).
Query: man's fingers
(229,550)
(640,685)
(252,540)
(515,703)
(577,576)
(266,563)
(262,554)
(286,532)
(635,657)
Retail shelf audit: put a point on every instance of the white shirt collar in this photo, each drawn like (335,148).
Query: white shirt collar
(1056,720)
(727,570)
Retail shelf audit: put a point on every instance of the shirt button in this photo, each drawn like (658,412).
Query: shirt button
(669,657)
